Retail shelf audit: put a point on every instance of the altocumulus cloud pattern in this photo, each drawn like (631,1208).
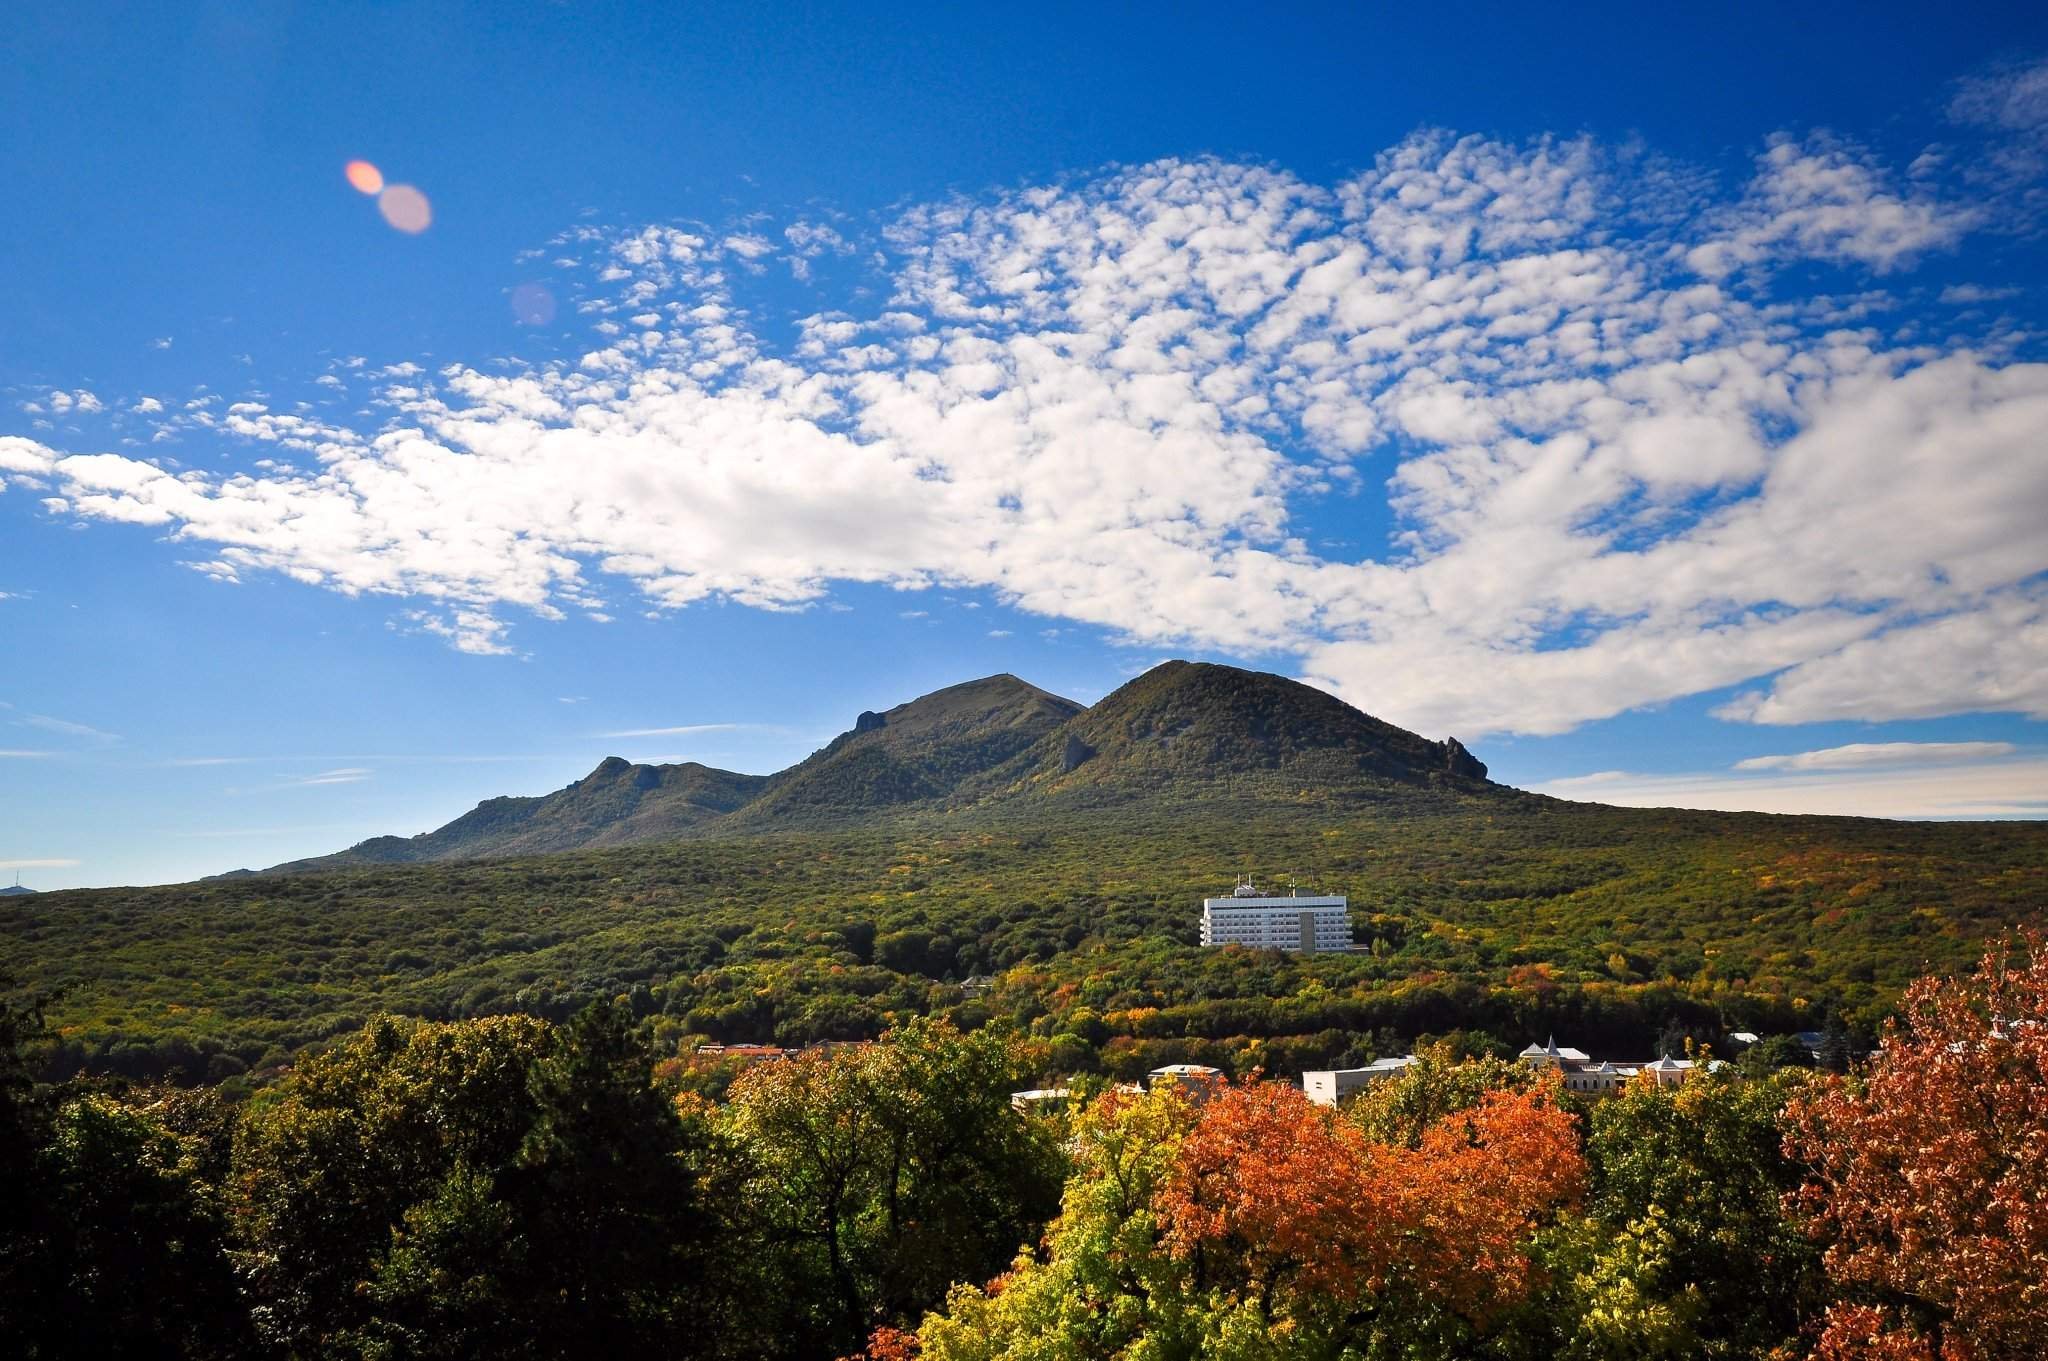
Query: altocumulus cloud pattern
(1626,460)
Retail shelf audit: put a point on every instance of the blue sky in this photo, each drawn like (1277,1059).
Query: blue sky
(1649,398)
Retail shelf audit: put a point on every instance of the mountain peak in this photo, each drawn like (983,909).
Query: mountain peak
(1186,725)
(922,749)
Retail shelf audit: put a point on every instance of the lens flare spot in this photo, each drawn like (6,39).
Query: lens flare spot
(363,177)
(532,305)
(406,208)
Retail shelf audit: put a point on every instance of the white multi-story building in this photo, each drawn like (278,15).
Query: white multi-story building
(1328,1086)
(1294,922)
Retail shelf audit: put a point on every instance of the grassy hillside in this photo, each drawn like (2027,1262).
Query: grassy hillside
(1487,910)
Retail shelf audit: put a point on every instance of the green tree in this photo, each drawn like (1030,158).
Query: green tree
(111,1234)
(494,1187)
(1692,1247)
(126,1253)
(1106,1286)
(1837,1051)
(1398,1110)
(883,1173)
(1771,1053)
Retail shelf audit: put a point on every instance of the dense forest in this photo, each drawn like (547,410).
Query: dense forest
(1509,919)
(515,1187)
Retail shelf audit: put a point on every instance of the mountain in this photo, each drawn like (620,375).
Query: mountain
(1193,730)
(617,804)
(916,752)
(1182,732)
(16,891)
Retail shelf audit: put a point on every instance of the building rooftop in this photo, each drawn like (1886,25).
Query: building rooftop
(1553,1051)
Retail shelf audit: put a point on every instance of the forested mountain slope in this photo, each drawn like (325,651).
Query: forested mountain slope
(1500,913)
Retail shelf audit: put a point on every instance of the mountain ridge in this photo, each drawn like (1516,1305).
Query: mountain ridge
(1180,731)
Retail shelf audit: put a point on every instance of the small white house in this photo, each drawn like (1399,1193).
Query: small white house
(1041,1099)
(1199,1080)
(1328,1086)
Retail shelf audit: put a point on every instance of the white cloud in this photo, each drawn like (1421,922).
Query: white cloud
(345,775)
(17,755)
(43,864)
(686,730)
(1885,755)
(1989,658)
(2014,97)
(809,240)
(160,343)
(1617,481)
(1820,199)
(1974,789)
(1964,295)
(66,728)
(2010,103)
(475,631)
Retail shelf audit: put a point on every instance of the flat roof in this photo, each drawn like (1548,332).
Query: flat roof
(1226,904)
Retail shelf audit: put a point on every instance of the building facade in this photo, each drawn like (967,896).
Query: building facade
(1587,1078)
(1328,1086)
(1293,922)
(1197,1080)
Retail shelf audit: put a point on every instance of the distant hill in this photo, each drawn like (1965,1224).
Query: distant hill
(16,891)
(617,804)
(1182,732)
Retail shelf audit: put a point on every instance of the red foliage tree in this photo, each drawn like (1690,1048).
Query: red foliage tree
(1283,1185)
(1931,1174)
(1281,1198)
(889,1344)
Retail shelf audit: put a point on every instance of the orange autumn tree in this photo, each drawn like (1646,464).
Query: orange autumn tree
(1931,1174)
(1269,1192)
(1280,1202)
(1479,1185)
